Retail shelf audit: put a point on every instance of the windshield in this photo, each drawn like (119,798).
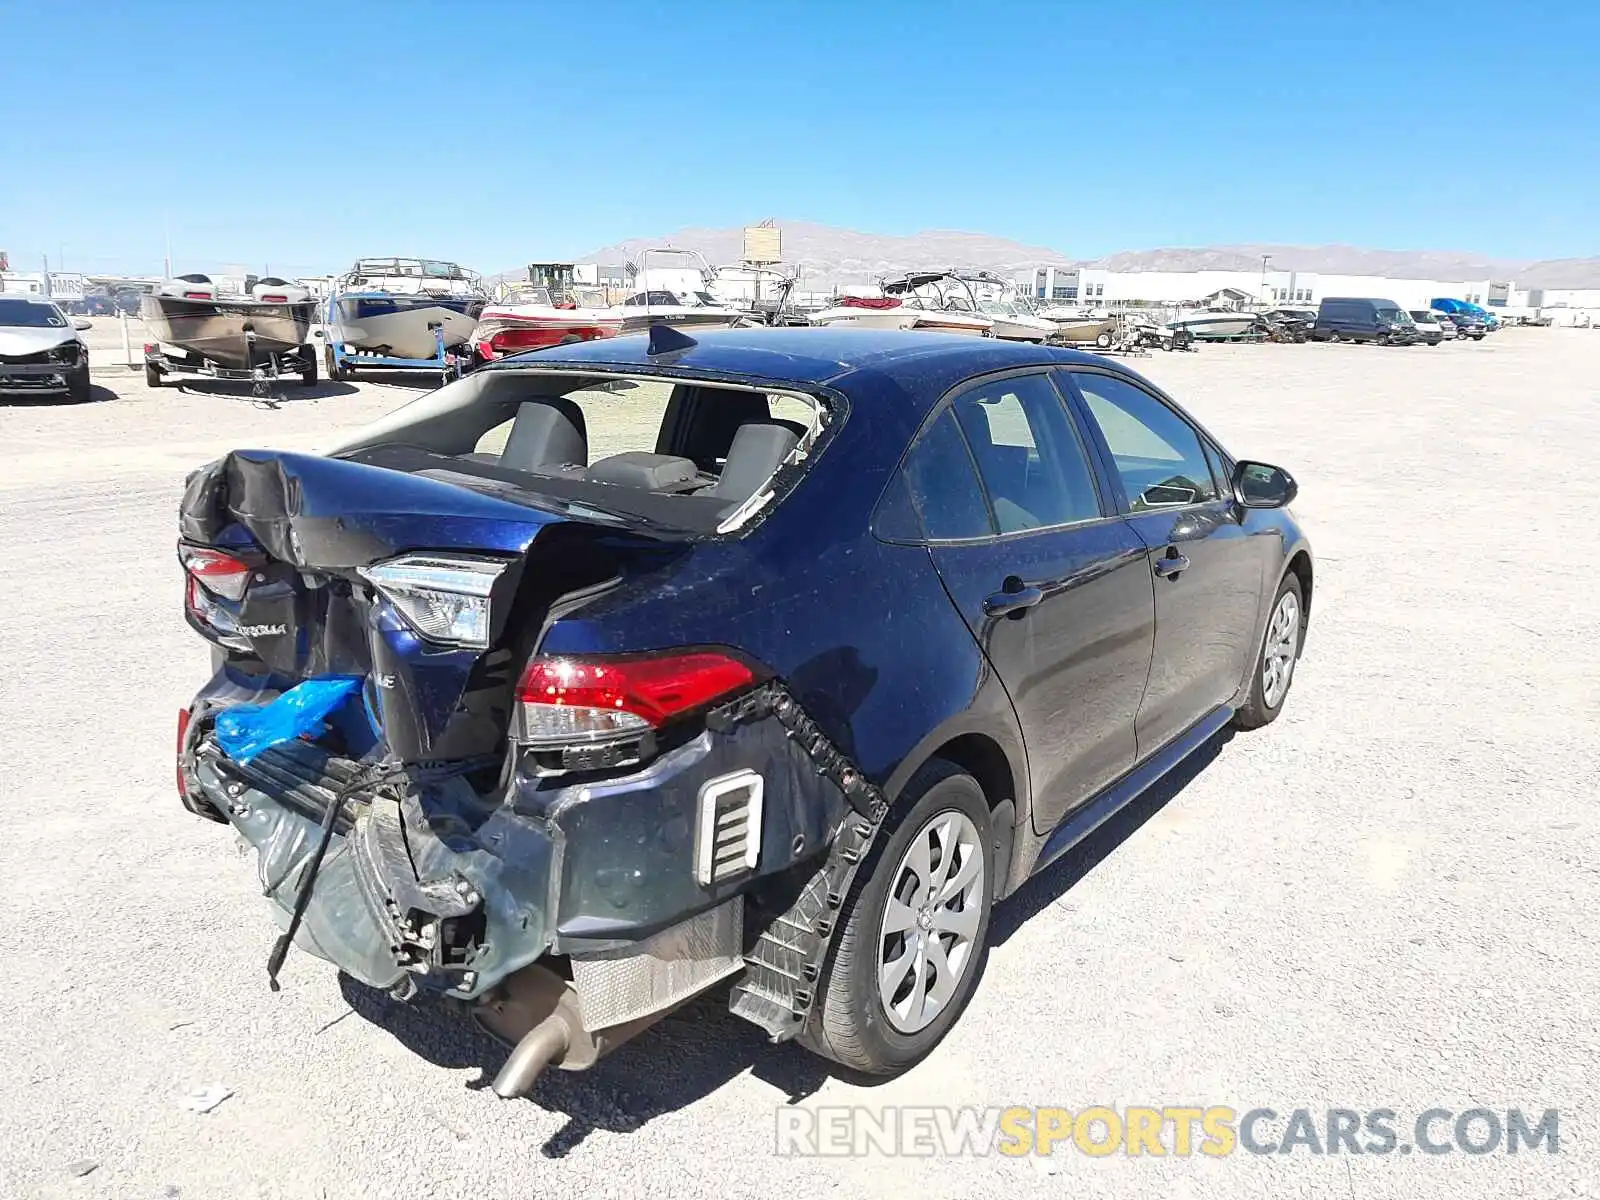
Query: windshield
(531,295)
(1419,315)
(30,314)
(1394,315)
(998,308)
(705,298)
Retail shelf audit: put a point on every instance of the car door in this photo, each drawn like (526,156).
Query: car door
(1206,570)
(1056,589)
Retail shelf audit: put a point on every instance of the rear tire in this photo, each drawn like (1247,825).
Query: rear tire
(1273,671)
(948,822)
(308,376)
(1333,335)
(1103,340)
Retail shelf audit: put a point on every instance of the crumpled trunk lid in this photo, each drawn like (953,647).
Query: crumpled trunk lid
(306,525)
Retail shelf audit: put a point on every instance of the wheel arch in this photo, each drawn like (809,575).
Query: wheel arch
(1300,566)
(1002,780)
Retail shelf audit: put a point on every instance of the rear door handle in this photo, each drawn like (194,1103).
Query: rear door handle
(1009,603)
(1170,566)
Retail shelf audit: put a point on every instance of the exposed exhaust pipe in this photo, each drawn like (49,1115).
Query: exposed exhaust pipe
(542,1045)
(536,1012)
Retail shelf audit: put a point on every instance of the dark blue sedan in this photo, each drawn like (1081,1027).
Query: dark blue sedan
(763,661)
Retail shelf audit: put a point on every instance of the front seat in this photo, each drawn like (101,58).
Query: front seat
(547,436)
(758,448)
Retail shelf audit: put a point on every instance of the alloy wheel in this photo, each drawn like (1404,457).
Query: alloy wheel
(1279,652)
(930,922)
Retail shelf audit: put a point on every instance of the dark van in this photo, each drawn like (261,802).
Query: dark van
(1345,319)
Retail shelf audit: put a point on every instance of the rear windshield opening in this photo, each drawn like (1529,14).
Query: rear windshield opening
(696,456)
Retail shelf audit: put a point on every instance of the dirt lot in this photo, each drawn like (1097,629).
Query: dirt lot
(1385,900)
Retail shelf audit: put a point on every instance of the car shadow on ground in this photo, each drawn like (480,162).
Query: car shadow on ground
(702,1046)
(97,395)
(273,394)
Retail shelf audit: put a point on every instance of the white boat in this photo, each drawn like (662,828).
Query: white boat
(529,317)
(1013,314)
(867,312)
(679,296)
(1213,323)
(1081,327)
(393,306)
(931,301)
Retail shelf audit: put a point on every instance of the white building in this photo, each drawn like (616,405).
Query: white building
(1094,287)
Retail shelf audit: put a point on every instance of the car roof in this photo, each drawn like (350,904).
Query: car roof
(808,357)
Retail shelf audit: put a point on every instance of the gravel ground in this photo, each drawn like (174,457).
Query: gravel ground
(1381,901)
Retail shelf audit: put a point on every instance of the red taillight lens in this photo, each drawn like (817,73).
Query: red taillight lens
(183,736)
(220,573)
(197,295)
(591,699)
(275,299)
(151,347)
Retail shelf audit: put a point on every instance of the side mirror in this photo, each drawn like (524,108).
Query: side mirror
(1261,485)
(81,325)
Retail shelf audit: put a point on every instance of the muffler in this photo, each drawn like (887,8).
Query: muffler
(536,1013)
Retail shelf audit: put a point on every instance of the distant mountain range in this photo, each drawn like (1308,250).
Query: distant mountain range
(829,256)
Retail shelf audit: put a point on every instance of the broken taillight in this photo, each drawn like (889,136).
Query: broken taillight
(218,572)
(562,701)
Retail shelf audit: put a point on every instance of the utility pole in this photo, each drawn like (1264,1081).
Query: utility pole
(166,230)
(1265,259)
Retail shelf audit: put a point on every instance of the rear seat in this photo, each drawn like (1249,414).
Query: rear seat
(550,437)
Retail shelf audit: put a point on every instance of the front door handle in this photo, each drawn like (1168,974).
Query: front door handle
(1170,566)
(1011,603)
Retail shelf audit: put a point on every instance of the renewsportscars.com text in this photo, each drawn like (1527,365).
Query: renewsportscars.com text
(1213,1131)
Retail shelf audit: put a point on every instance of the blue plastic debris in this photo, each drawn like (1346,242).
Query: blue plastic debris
(245,730)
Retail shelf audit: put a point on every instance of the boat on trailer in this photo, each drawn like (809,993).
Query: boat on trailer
(1077,326)
(679,296)
(401,314)
(550,309)
(1217,324)
(931,301)
(198,329)
(1014,316)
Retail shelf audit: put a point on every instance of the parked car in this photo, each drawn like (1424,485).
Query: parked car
(1477,314)
(1427,328)
(1464,323)
(1297,323)
(1346,318)
(860,631)
(41,353)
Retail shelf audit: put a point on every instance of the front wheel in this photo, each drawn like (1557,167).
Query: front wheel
(78,386)
(914,932)
(1103,340)
(1275,663)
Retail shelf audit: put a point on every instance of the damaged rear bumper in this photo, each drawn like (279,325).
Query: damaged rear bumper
(435,885)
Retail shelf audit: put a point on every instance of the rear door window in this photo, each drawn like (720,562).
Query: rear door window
(1032,465)
(935,493)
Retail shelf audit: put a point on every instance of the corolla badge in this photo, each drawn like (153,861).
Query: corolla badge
(263,630)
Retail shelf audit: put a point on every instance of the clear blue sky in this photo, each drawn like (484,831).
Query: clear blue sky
(494,133)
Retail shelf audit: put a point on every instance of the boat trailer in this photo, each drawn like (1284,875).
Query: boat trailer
(261,367)
(343,360)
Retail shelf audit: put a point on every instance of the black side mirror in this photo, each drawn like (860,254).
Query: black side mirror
(1261,485)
